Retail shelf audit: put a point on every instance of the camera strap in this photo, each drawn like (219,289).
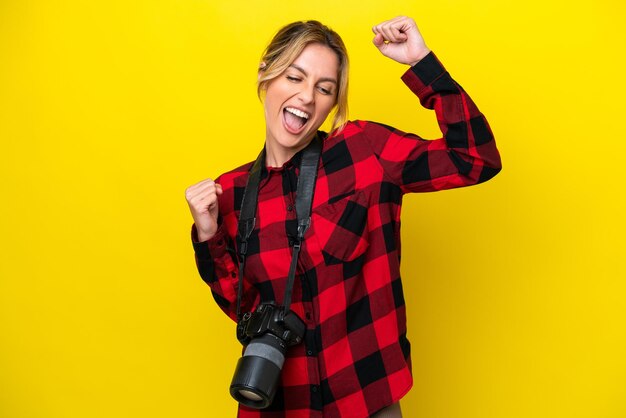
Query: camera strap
(304,201)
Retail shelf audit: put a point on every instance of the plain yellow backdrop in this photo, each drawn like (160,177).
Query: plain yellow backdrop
(110,109)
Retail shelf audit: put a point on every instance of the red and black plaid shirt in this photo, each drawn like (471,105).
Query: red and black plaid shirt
(355,358)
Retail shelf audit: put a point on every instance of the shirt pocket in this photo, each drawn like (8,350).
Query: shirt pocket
(339,229)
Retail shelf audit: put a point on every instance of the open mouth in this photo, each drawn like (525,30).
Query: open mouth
(294,119)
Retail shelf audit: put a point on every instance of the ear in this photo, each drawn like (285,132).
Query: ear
(262,66)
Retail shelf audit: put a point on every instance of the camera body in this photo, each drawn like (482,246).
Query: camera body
(266,333)
(268,317)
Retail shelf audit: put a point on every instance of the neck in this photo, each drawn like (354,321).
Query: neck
(278,156)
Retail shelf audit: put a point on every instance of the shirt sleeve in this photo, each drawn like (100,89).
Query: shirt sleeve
(216,261)
(465,155)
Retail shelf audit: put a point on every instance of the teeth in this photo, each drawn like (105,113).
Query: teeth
(297,112)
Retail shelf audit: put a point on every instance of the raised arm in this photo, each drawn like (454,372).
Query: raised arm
(465,155)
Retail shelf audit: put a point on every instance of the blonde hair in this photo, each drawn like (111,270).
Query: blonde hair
(289,43)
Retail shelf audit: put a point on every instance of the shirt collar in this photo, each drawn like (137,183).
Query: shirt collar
(292,163)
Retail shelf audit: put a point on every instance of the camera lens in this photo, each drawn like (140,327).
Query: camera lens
(257,372)
(250,395)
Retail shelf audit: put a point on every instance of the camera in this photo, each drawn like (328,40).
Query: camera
(266,333)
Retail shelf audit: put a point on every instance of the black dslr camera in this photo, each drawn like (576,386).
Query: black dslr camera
(267,333)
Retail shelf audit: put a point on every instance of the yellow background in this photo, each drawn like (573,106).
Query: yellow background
(110,109)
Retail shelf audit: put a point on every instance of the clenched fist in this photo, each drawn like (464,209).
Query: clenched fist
(400,40)
(202,201)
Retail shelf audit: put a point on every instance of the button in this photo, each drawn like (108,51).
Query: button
(309,353)
(290,208)
(314,388)
(233,274)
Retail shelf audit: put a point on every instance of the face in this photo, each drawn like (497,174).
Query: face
(298,101)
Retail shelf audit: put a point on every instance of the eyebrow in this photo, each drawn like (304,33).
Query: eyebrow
(297,67)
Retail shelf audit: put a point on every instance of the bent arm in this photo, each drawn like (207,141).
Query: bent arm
(217,264)
(465,155)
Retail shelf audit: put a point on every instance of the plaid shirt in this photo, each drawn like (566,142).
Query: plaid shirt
(355,359)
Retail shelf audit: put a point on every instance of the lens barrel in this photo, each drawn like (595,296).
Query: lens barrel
(258,370)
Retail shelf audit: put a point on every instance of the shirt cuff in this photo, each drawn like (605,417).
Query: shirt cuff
(423,74)
(214,247)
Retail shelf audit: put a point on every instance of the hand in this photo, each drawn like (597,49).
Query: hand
(202,201)
(400,40)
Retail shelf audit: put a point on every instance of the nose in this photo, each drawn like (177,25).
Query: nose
(307,94)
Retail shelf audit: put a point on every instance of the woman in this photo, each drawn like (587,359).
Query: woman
(354,360)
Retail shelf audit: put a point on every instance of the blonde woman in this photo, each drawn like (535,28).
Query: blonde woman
(353,359)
